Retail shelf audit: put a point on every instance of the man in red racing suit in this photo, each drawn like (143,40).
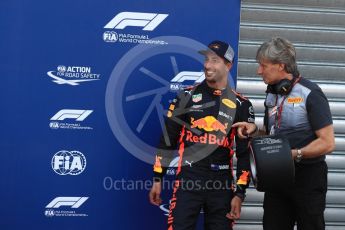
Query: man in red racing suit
(199,127)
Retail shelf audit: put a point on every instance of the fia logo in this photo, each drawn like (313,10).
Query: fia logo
(110,36)
(49,212)
(68,162)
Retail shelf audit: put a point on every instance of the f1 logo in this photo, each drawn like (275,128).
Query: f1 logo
(77,114)
(73,202)
(147,20)
(189,76)
(176,82)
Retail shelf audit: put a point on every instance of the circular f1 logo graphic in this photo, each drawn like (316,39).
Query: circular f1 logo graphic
(143,85)
(142,61)
(68,162)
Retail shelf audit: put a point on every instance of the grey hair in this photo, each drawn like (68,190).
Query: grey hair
(279,51)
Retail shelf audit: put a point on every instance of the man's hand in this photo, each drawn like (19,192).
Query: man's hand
(323,144)
(155,193)
(294,154)
(244,129)
(236,204)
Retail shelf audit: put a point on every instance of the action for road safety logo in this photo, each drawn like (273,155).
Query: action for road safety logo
(72,75)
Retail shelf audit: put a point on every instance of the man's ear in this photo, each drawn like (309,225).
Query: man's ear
(281,67)
(228,65)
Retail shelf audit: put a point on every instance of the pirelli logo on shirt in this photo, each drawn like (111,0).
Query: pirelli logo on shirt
(294,100)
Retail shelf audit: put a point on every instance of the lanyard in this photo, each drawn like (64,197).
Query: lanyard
(278,116)
(279,112)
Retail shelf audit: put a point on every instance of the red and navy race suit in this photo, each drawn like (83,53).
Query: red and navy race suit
(199,127)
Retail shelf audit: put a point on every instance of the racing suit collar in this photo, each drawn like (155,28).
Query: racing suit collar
(216,92)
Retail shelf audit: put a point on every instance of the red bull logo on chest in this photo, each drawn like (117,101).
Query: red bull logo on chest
(209,123)
(207,138)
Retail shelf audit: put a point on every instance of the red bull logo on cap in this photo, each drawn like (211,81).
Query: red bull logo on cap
(209,123)
(214,46)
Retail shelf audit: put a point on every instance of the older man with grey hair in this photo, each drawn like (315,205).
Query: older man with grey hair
(298,109)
